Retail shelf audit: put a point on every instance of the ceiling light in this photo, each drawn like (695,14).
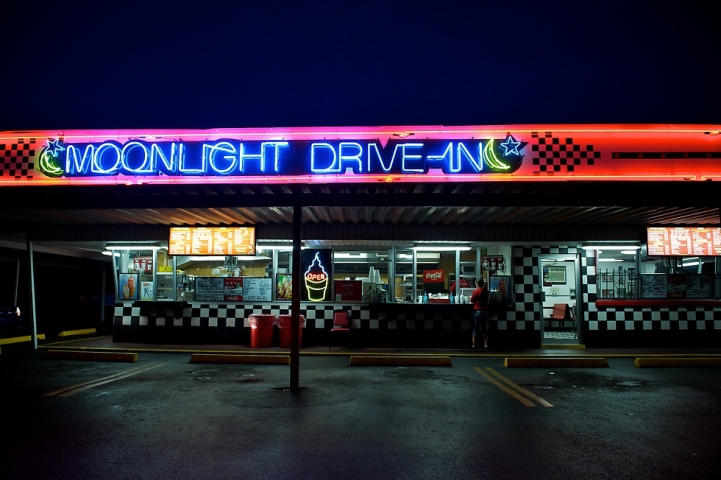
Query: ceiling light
(629,252)
(275,247)
(133,247)
(611,247)
(440,248)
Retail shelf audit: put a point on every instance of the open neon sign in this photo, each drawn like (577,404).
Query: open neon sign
(241,158)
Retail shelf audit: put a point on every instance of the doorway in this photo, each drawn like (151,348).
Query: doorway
(560,310)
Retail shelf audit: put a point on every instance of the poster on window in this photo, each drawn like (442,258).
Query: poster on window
(209,289)
(284,287)
(699,286)
(233,289)
(554,274)
(257,289)
(653,285)
(146,290)
(128,286)
(676,286)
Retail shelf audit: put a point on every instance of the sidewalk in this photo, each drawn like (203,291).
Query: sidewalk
(105,343)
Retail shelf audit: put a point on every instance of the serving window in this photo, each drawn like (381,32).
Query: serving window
(633,275)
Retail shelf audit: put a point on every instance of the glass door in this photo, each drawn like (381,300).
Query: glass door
(559,310)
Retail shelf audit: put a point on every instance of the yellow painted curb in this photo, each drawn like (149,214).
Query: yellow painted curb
(92,356)
(243,359)
(26,338)
(399,360)
(582,362)
(677,362)
(70,333)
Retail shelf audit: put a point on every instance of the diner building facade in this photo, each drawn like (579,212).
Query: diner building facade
(203,229)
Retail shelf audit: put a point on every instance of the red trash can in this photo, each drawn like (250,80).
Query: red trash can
(261,330)
(284,326)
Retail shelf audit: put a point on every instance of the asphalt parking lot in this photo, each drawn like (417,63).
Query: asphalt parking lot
(163,417)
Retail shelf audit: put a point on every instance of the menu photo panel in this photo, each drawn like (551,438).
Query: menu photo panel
(237,241)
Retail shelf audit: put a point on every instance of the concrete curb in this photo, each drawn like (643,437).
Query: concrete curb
(582,362)
(26,338)
(92,356)
(70,333)
(677,362)
(398,360)
(240,359)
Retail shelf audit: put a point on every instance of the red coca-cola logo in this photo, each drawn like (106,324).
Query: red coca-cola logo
(433,276)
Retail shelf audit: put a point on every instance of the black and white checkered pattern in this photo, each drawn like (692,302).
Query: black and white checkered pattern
(16,158)
(598,324)
(555,155)
(526,280)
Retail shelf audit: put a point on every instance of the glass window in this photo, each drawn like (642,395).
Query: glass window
(134,273)
(361,275)
(617,273)
(630,274)
(678,277)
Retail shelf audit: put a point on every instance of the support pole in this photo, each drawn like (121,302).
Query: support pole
(17,282)
(295,302)
(102,299)
(31,281)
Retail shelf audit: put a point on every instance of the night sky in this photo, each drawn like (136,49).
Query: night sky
(267,63)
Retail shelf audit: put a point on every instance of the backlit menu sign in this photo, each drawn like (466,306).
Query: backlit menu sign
(212,241)
(684,241)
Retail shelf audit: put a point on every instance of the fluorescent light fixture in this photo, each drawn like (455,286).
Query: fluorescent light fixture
(440,248)
(428,256)
(276,247)
(609,260)
(629,252)
(358,255)
(133,247)
(109,253)
(611,247)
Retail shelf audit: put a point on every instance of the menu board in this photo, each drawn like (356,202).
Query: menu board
(653,285)
(699,286)
(212,241)
(226,289)
(209,289)
(684,241)
(257,289)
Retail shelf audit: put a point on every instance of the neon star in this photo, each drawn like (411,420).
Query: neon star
(55,146)
(510,146)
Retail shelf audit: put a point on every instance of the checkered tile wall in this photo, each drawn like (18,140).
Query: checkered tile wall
(523,320)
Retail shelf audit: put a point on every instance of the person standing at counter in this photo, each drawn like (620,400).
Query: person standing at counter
(480,298)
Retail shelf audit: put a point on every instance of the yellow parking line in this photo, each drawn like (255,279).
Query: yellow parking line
(505,388)
(78,387)
(530,395)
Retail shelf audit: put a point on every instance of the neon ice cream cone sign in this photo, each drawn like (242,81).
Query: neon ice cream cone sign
(316,280)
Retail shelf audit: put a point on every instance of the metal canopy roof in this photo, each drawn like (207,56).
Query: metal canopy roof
(486,203)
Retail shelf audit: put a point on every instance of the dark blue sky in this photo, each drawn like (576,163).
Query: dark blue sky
(339,63)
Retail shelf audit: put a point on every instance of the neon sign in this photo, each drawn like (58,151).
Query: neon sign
(316,280)
(232,157)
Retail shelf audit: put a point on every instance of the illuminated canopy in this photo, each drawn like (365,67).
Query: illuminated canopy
(362,154)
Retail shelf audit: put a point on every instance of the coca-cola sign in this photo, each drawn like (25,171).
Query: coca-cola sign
(433,276)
